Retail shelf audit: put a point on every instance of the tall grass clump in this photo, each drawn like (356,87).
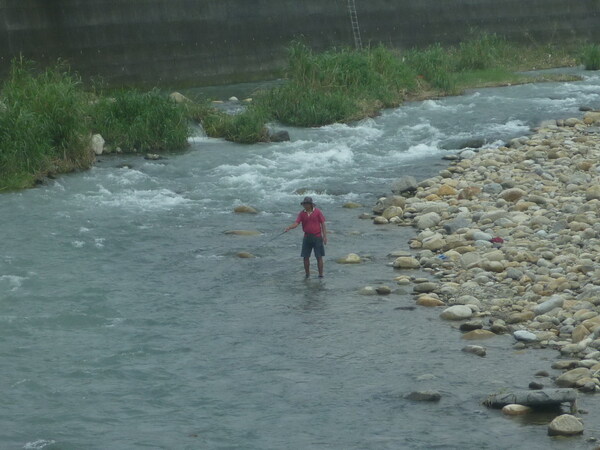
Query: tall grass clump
(247,127)
(337,86)
(590,56)
(137,121)
(43,124)
(433,64)
(480,53)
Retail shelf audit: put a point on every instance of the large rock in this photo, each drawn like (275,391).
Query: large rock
(525,336)
(243,209)
(178,97)
(565,425)
(541,398)
(556,301)
(351,258)
(512,195)
(570,378)
(429,301)
(423,288)
(478,335)
(97,144)
(428,220)
(279,136)
(579,333)
(434,243)
(475,349)
(424,396)
(516,410)
(456,224)
(457,312)
(592,117)
(392,211)
(592,193)
(406,262)
(407,183)
(386,202)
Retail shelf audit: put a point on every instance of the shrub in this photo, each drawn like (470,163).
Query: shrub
(434,65)
(480,53)
(590,57)
(338,85)
(141,121)
(246,127)
(43,124)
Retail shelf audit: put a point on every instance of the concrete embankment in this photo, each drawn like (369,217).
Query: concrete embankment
(193,42)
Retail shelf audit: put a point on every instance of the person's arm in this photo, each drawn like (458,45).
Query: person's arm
(324,232)
(292,226)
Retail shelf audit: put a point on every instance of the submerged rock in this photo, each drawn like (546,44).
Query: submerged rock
(565,425)
(244,209)
(97,143)
(383,290)
(279,136)
(351,258)
(243,232)
(478,334)
(475,349)
(424,396)
(516,410)
(457,312)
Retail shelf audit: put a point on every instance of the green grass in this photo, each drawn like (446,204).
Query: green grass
(136,121)
(337,86)
(247,127)
(590,56)
(43,124)
(343,85)
(47,119)
(434,65)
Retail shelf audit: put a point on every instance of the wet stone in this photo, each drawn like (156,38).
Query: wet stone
(536,385)
(424,396)
(471,325)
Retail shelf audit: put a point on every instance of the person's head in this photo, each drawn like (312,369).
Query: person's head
(307,203)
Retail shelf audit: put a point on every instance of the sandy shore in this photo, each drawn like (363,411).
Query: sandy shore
(512,236)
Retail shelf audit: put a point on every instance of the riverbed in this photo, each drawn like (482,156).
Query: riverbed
(128,321)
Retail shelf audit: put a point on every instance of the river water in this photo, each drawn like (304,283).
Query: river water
(127,321)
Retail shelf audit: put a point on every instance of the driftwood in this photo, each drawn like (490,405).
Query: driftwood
(534,399)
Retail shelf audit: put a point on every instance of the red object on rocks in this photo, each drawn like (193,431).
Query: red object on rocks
(497,240)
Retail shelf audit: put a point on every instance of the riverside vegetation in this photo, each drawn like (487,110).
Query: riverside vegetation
(346,85)
(47,118)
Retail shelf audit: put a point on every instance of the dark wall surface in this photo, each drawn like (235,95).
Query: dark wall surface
(183,42)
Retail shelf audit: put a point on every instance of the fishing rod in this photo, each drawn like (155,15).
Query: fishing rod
(250,255)
(272,239)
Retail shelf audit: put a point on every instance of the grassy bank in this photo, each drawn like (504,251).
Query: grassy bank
(345,85)
(47,120)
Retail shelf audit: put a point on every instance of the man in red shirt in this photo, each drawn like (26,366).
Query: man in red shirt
(315,234)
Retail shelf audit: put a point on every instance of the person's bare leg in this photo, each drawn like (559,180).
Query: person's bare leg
(320,266)
(307,267)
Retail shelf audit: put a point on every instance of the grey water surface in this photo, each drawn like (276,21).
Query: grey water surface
(127,321)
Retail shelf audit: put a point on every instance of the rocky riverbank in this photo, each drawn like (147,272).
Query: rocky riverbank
(512,235)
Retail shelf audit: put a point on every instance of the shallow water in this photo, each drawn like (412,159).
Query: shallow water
(127,321)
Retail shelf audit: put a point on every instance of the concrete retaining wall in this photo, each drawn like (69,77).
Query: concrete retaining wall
(183,42)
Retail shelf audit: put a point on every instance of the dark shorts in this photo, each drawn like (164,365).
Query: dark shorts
(311,242)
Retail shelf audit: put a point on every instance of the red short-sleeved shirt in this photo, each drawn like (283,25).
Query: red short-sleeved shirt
(311,224)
